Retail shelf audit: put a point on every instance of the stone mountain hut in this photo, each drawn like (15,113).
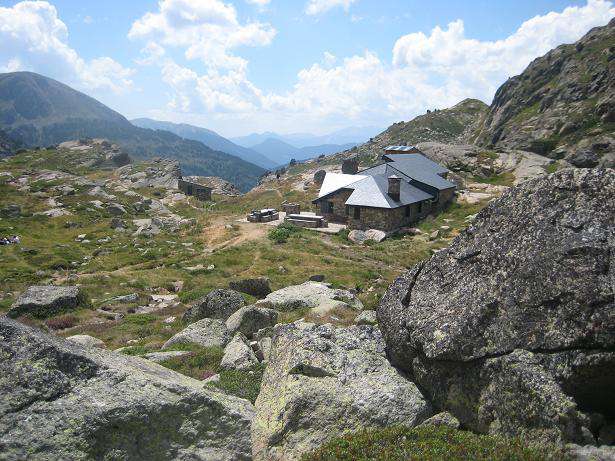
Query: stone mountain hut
(400,191)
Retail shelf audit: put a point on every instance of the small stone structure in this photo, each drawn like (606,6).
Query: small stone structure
(265,215)
(306,220)
(291,208)
(196,190)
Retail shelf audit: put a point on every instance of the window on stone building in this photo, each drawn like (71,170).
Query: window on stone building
(347,210)
(357,212)
(407,211)
(420,207)
(329,207)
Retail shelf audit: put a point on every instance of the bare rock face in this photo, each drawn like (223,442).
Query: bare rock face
(46,301)
(217,304)
(322,381)
(560,99)
(512,328)
(59,400)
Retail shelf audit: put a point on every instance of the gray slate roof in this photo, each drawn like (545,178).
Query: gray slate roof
(371,187)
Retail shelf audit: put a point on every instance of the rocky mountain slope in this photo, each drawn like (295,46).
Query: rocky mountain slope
(209,138)
(40,111)
(562,105)
(456,125)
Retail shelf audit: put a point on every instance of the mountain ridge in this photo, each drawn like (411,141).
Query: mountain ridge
(39,111)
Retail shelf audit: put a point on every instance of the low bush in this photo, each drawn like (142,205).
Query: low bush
(62,322)
(242,383)
(281,233)
(430,444)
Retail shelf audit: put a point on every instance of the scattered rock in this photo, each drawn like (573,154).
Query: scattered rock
(124,299)
(317,278)
(46,301)
(117,223)
(366,318)
(590,453)
(321,382)
(63,401)
(238,355)
(10,211)
(515,350)
(178,285)
(309,295)
(205,332)
(258,287)
(116,209)
(434,235)
(217,304)
(442,419)
(360,237)
(250,319)
(86,341)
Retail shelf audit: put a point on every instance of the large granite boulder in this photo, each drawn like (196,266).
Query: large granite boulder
(512,328)
(46,301)
(310,295)
(217,304)
(59,400)
(258,287)
(322,381)
(205,333)
(250,319)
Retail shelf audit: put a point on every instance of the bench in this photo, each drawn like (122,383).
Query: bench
(306,220)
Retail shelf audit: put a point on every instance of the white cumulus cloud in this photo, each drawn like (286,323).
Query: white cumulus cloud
(33,37)
(425,71)
(314,7)
(207,29)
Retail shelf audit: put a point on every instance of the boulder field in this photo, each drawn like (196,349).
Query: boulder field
(60,400)
(512,328)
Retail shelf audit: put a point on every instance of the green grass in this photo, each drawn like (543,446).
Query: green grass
(242,383)
(429,444)
(201,363)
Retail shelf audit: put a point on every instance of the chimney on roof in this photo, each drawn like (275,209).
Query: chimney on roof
(394,187)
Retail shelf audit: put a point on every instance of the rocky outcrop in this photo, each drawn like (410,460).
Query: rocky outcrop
(46,301)
(512,327)
(250,319)
(562,98)
(310,295)
(205,333)
(219,186)
(217,304)
(59,400)
(258,286)
(322,381)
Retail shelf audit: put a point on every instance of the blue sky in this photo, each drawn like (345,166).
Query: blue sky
(239,66)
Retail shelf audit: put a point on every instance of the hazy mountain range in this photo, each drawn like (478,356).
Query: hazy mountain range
(268,150)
